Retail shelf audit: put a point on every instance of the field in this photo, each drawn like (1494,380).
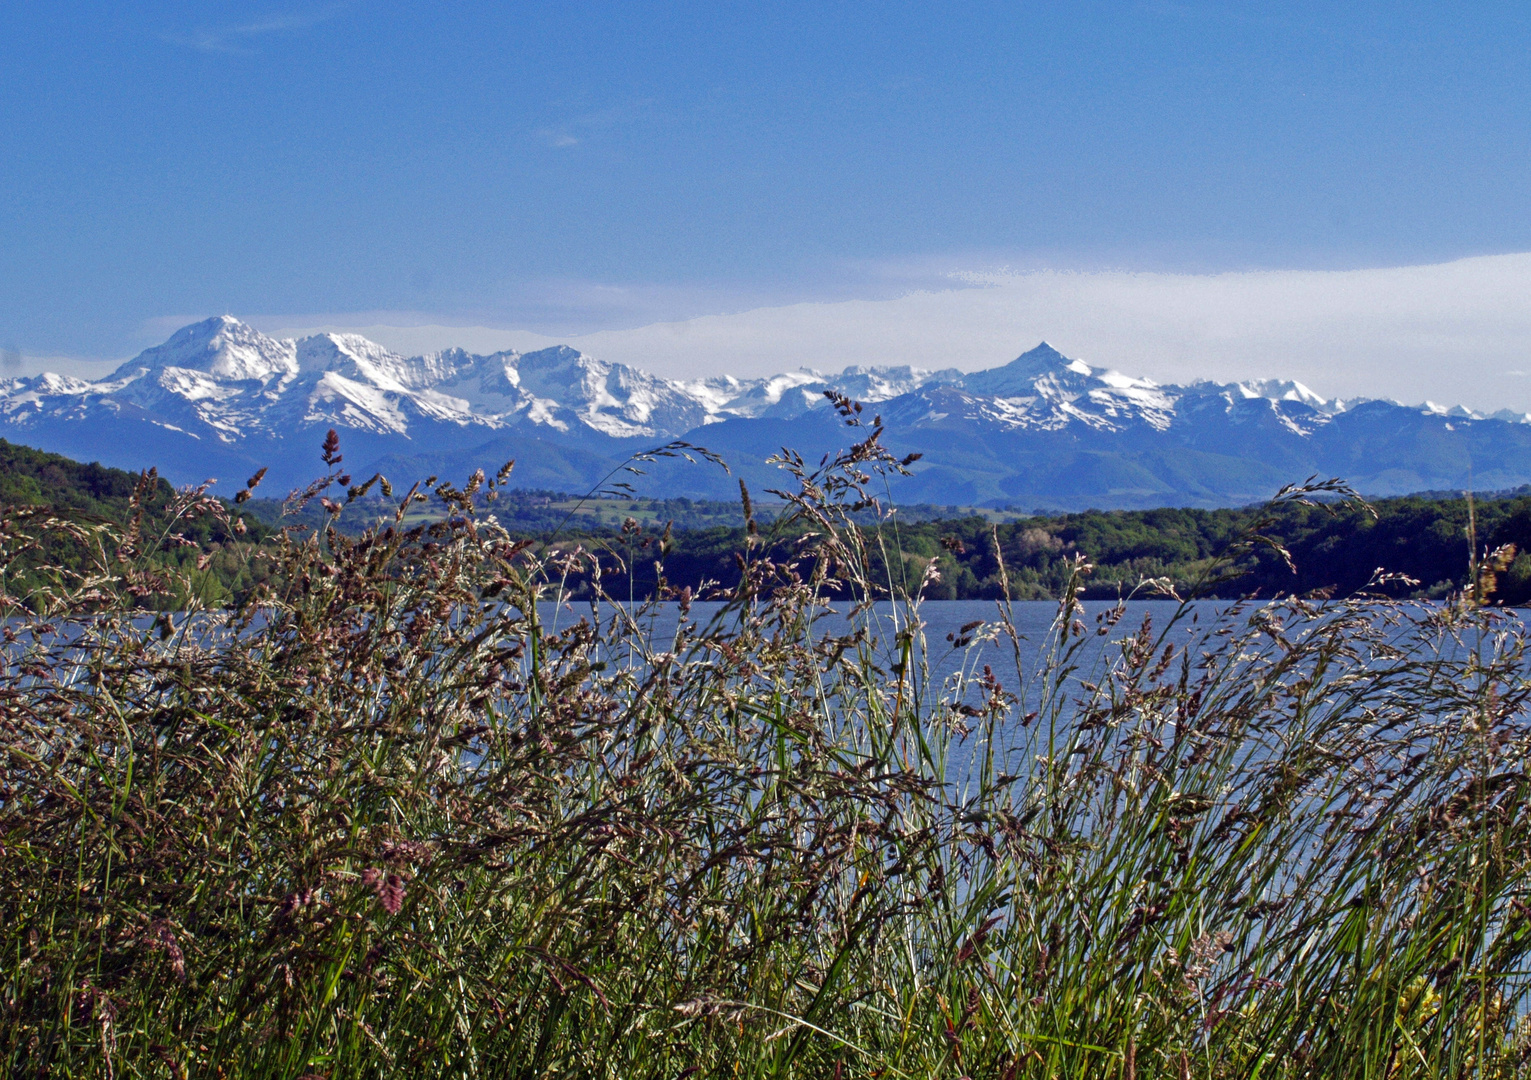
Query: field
(382,819)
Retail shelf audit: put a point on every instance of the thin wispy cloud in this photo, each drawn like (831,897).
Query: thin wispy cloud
(236,38)
(578,128)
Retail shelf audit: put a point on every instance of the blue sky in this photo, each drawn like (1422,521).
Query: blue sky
(575,167)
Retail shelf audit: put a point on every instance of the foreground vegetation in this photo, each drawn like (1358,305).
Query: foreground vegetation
(404,813)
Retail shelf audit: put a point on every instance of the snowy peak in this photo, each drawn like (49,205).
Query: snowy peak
(489,382)
(222,347)
(613,399)
(875,384)
(1280,390)
(1039,361)
(354,357)
(1019,377)
(561,371)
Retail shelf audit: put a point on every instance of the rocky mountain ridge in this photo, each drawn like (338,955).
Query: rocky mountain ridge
(219,397)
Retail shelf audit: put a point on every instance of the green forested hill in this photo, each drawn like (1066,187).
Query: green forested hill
(37,478)
(1334,552)
(93,494)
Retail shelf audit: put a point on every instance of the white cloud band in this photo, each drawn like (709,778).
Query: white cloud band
(1458,332)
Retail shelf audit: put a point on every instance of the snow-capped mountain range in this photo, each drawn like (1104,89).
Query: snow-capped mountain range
(220,398)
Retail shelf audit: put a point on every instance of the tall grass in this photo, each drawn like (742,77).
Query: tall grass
(406,814)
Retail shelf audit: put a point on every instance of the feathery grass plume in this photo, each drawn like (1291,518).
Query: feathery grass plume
(408,811)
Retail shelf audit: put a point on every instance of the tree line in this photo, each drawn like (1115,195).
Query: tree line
(1427,542)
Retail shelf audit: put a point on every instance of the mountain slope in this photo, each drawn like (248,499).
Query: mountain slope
(221,399)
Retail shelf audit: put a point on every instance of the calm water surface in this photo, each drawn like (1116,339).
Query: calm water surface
(1033,621)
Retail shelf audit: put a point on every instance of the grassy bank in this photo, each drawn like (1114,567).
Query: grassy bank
(384,820)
